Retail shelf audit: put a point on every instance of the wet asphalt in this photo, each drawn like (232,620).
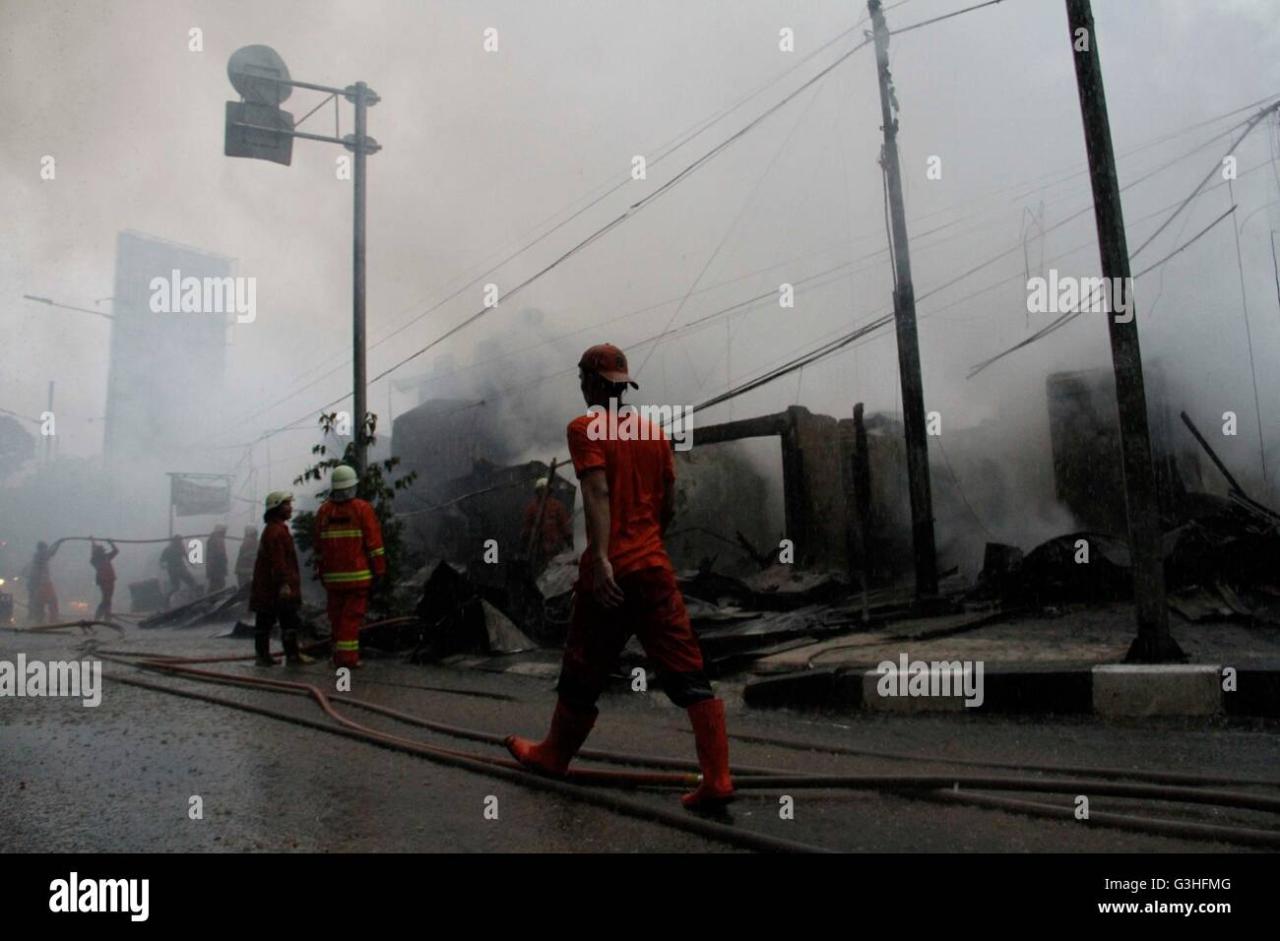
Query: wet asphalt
(125,776)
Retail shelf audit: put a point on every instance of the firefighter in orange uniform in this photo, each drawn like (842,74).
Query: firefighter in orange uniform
(627,585)
(350,559)
(556,532)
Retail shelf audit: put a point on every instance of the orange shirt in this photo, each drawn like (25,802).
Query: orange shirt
(557,526)
(638,472)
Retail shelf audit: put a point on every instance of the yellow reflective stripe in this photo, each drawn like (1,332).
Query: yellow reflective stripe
(378,551)
(348,645)
(340,533)
(347,576)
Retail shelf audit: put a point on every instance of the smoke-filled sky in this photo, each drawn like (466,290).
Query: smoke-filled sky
(484,150)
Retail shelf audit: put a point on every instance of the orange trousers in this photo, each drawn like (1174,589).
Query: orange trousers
(346,617)
(42,597)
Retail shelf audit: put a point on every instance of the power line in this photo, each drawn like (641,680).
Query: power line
(1249,126)
(1070,175)
(629,213)
(23,417)
(1084,211)
(639,205)
(1066,318)
(690,327)
(945,16)
(826,347)
(711,121)
(844,341)
(1069,316)
(1248,333)
(679,141)
(840,343)
(1071,251)
(53,303)
(673,146)
(747,302)
(782,147)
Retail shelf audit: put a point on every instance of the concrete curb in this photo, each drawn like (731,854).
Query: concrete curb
(1110,690)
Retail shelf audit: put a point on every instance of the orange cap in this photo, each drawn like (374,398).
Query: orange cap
(609,362)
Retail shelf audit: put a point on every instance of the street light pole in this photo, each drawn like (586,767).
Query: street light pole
(257,128)
(360,99)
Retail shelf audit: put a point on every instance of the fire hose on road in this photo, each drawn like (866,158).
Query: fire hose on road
(85,625)
(599,787)
(494,767)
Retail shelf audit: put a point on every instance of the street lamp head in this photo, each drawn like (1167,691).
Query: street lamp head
(258,74)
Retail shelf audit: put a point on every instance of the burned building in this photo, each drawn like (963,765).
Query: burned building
(1088,469)
(470,488)
(822,490)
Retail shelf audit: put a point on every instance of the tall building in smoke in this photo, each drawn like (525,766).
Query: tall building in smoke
(167,367)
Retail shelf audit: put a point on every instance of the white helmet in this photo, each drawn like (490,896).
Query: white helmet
(277,497)
(343,478)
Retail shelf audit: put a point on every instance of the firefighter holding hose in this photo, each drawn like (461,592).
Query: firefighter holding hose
(104,574)
(350,559)
(626,584)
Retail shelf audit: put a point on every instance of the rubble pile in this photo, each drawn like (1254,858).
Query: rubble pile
(230,604)
(1222,560)
(453,618)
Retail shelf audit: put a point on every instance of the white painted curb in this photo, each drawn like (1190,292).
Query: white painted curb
(1157,690)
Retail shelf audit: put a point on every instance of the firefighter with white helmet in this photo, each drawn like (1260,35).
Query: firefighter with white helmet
(350,558)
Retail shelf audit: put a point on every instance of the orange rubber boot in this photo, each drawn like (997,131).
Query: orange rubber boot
(569,729)
(712,743)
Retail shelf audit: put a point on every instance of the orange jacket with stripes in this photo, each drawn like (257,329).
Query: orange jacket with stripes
(348,545)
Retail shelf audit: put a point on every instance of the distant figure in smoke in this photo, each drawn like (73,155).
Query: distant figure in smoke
(174,561)
(215,559)
(550,517)
(104,575)
(40,593)
(246,556)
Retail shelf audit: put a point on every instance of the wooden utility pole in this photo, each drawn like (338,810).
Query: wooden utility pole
(904,309)
(862,501)
(1153,643)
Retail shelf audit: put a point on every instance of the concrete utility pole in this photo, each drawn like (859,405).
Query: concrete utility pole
(1153,643)
(904,308)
